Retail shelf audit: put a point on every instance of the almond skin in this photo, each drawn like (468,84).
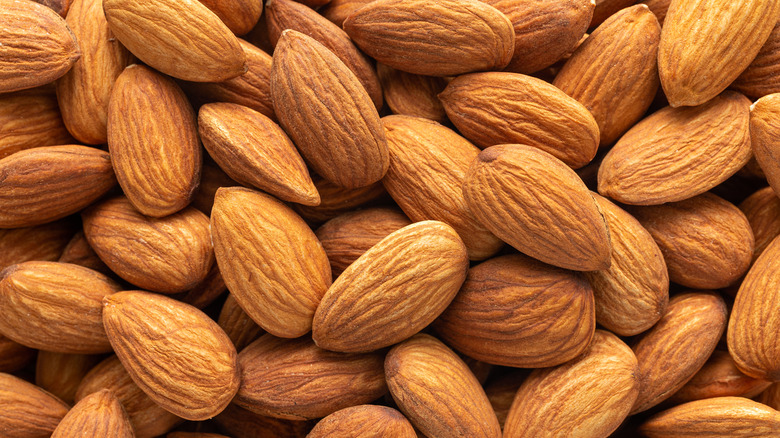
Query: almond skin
(496,317)
(99,414)
(537,204)
(698,58)
(270,259)
(174,352)
(54,306)
(43,243)
(498,108)
(240,16)
(30,119)
(764,129)
(338,10)
(412,95)
(442,38)
(437,391)
(28,411)
(393,290)
(347,146)
(659,8)
(722,416)
(212,179)
(61,373)
(501,392)
(771,396)
(79,252)
(155,152)
(364,421)
(237,324)
(241,423)
(59,6)
(336,200)
(13,355)
(761,78)
(294,379)
(762,210)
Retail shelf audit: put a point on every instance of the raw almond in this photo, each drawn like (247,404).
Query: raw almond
(78,252)
(212,178)
(761,76)
(205,292)
(240,16)
(241,423)
(237,324)
(762,210)
(61,373)
(764,129)
(719,377)
(364,421)
(501,392)
(13,355)
(28,411)
(606,8)
(338,10)
(44,242)
(771,396)
(336,200)
(659,8)
(98,414)
(30,119)
(59,6)
(412,95)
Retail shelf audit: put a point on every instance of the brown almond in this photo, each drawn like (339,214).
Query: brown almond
(412,95)
(44,242)
(13,355)
(659,8)
(606,8)
(761,76)
(98,414)
(338,10)
(240,16)
(79,252)
(241,423)
(212,177)
(734,417)
(194,435)
(28,411)
(336,200)
(237,324)
(61,373)
(364,421)
(205,292)
(770,396)
(764,129)
(30,119)
(59,6)
(501,392)
(762,210)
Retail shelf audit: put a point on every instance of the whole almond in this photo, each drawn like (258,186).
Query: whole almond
(13,355)
(43,243)
(734,417)
(393,290)
(537,204)
(417,36)
(205,292)
(30,119)
(659,8)
(98,414)
(338,10)
(240,16)
(336,200)
(237,324)
(761,78)
(364,421)
(606,8)
(28,411)
(412,95)
(59,6)
(764,129)
(212,179)
(241,423)
(762,210)
(79,252)
(61,373)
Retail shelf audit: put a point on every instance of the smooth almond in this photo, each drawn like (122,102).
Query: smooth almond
(764,129)
(98,414)
(734,417)
(28,411)
(364,421)
(30,119)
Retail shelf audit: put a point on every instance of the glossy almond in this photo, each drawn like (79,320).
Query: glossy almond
(537,204)
(99,414)
(28,411)
(240,16)
(61,373)
(237,324)
(336,200)
(764,130)
(734,417)
(30,119)
(412,95)
(43,243)
(761,76)
(762,210)
(364,421)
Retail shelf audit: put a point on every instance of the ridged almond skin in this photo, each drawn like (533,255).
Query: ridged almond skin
(98,414)
(516,311)
(606,8)
(617,97)
(55,306)
(174,352)
(364,421)
(212,178)
(587,397)
(237,324)
(659,8)
(698,57)
(442,38)
(79,252)
(131,244)
(761,76)
(770,396)
(762,210)
(43,243)
(61,373)
(338,10)
(36,46)
(59,6)
(270,259)
(326,111)
(44,184)
(437,391)
(631,295)
(30,119)
(83,93)
(336,200)
(13,355)
(428,164)
(288,14)
(501,392)
(153,141)
(205,292)
(253,150)
(676,348)
(764,129)
(678,153)
(294,379)
(180,38)
(241,423)
(147,417)
(240,16)
(502,108)
(734,417)
(28,411)
(536,203)
(706,241)
(394,290)
(412,95)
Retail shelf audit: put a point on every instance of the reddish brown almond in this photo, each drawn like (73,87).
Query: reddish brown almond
(762,210)
(212,178)
(183,39)
(99,414)
(412,95)
(336,200)
(194,435)
(28,411)
(205,292)
(428,164)
(78,252)
(255,151)
(338,10)
(240,16)
(606,8)
(270,259)
(501,392)
(537,204)
(241,423)
(706,241)
(771,396)
(723,416)
(393,290)
(13,355)
(30,119)
(761,76)
(676,348)
(659,8)
(237,324)
(61,373)
(48,183)
(698,58)
(36,46)
(437,391)
(44,242)
(174,352)
(294,379)
(500,108)
(764,129)
(347,146)
(59,6)
(417,36)
(586,397)
(496,317)
(617,98)
(55,307)
(364,421)
(631,295)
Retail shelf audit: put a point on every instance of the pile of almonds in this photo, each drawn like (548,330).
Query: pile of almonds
(412,218)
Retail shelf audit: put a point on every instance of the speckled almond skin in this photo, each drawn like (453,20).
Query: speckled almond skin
(720,416)
(99,414)
(28,411)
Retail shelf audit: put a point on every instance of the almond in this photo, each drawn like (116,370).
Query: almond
(364,421)
(78,252)
(659,8)
(44,242)
(59,6)
(771,396)
(211,179)
(61,373)
(412,95)
(761,76)
(28,411)
(393,290)
(241,423)
(30,119)
(763,132)
(98,414)
(240,16)
(537,204)
(442,38)
(606,8)
(237,324)
(336,200)
(205,292)
(13,355)
(501,392)
(194,435)
(762,210)
(338,10)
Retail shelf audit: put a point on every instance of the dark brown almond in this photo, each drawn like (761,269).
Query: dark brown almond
(211,179)
(61,373)
(98,414)
(237,324)
(762,210)
(241,423)
(364,421)
(412,95)
(59,6)
(770,396)
(761,76)
(606,8)
(28,411)
(30,119)
(734,417)
(501,392)
(78,252)
(240,16)
(44,242)
(205,292)
(13,355)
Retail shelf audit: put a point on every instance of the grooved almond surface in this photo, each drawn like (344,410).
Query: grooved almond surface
(761,77)
(364,421)
(721,416)
(28,411)
(240,16)
(30,119)
(764,129)
(237,324)
(762,210)
(338,10)
(99,414)
(61,373)
(43,243)
(412,95)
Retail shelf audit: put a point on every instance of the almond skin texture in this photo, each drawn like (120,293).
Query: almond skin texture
(497,108)
(153,141)
(764,130)
(30,119)
(516,311)
(270,259)
(241,423)
(48,183)
(617,97)
(237,324)
(54,306)
(61,373)
(180,38)
(393,290)
(336,200)
(674,350)
(428,163)
(255,151)
(99,414)
(294,379)
(59,6)
(698,57)
(240,16)
(437,391)
(715,417)
(43,243)
(537,204)
(36,46)
(28,411)
(412,95)
(364,421)
(761,77)
(13,355)
(78,252)
(212,179)
(706,241)
(338,10)
(762,210)
(659,8)
(442,38)
(327,112)
(174,352)
(131,244)
(586,397)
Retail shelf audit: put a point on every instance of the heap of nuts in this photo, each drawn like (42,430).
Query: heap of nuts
(412,218)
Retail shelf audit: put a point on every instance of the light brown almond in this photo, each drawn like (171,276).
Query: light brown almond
(30,119)
(240,16)
(412,95)
(659,8)
(606,8)
(764,129)
(44,242)
(734,417)
(338,10)
(98,414)
(237,324)
(364,421)
(336,200)
(61,373)
(28,411)
(762,210)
